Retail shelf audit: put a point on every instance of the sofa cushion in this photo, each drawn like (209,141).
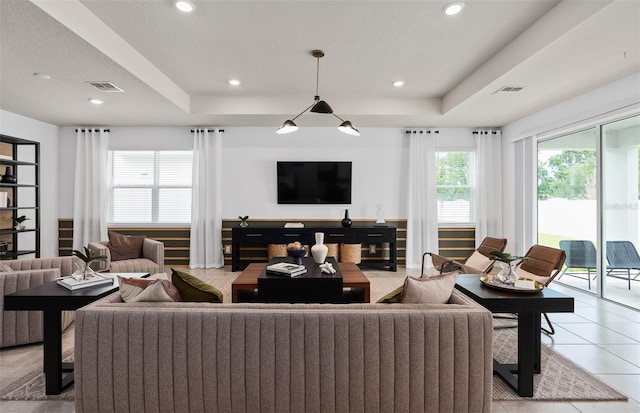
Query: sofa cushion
(479,262)
(434,290)
(5,267)
(192,288)
(125,247)
(145,290)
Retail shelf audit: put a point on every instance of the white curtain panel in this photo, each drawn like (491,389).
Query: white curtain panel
(422,222)
(206,206)
(488,197)
(90,187)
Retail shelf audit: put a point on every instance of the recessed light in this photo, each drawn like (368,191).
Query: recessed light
(398,83)
(42,76)
(96,101)
(453,8)
(233,82)
(185,6)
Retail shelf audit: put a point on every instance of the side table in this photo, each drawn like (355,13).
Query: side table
(52,299)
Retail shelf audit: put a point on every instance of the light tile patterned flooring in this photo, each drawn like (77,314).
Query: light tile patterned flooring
(601,336)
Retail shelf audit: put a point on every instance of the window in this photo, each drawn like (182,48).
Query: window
(149,187)
(455,184)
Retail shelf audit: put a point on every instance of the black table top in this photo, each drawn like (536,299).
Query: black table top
(498,301)
(313,270)
(50,295)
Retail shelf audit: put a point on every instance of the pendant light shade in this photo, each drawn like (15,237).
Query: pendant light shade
(318,106)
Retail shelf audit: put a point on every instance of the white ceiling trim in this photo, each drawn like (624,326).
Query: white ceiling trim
(79,19)
(558,21)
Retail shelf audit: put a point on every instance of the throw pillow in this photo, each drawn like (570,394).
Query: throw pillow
(433,290)
(393,297)
(531,276)
(194,289)
(5,267)
(125,247)
(479,262)
(134,290)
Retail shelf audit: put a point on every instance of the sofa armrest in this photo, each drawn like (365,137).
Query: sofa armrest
(101,248)
(154,250)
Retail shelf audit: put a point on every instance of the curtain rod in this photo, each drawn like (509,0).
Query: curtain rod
(92,130)
(208,130)
(475,132)
(421,131)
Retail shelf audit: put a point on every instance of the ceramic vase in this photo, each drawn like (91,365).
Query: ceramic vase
(346,222)
(319,250)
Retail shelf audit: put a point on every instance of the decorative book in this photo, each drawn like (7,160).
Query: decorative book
(286,268)
(92,281)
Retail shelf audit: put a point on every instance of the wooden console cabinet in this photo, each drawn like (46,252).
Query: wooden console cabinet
(365,235)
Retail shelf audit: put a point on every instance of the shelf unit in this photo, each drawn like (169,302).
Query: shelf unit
(22,158)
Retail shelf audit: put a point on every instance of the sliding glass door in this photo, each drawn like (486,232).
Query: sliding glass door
(589,206)
(567,203)
(621,210)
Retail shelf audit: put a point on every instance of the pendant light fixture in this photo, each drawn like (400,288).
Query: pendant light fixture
(318,106)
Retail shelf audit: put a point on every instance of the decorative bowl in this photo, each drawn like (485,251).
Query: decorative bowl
(297,255)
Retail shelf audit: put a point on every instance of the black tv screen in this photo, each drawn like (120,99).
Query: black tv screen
(314,182)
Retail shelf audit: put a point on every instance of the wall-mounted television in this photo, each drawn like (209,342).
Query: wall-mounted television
(314,182)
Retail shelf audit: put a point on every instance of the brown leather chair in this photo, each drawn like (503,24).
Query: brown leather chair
(445,264)
(543,264)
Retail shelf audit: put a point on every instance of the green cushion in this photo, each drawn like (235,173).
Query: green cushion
(393,297)
(194,289)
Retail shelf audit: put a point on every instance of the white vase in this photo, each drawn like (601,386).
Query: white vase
(319,250)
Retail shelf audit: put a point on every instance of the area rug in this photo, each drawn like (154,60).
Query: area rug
(560,380)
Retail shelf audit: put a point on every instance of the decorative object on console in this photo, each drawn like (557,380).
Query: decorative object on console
(379,214)
(319,250)
(19,222)
(346,221)
(243,221)
(318,106)
(8,177)
(4,247)
(296,251)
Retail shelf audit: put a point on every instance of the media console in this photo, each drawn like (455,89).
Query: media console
(361,234)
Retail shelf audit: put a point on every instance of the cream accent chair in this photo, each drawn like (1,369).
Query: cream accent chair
(152,260)
(25,327)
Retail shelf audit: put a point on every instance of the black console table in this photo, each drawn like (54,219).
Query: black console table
(333,234)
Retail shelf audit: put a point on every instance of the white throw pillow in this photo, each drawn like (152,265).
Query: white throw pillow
(530,276)
(479,262)
(134,290)
(432,290)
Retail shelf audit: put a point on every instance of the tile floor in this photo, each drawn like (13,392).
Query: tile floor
(601,336)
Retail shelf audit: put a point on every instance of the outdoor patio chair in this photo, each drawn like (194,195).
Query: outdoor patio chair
(542,264)
(622,257)
(581,256)
(477,262)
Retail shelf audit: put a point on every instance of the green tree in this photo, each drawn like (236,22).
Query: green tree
(453,172)
(568,175)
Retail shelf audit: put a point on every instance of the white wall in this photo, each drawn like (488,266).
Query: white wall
(250,154)
(22,127)
(606,103)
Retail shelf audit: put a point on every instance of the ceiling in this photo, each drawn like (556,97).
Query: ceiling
(174,67)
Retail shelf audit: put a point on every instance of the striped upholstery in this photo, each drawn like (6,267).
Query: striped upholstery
(24,327)
(152,260)
(195,357)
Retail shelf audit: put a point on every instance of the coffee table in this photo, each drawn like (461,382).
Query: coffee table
(529,307)
(352,277)
(52,299)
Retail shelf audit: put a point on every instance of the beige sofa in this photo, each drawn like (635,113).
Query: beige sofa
(25,327)
(152,260)
(196,357)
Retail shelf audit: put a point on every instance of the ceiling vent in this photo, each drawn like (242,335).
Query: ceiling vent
(509,89)
(105,86)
